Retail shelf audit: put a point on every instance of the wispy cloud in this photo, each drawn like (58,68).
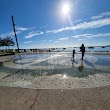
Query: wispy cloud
(106,14)
(89,36)
(21,29)
(82,39)
(84,25)
(32,34)
(18,31)
(44,26)
(57,41)
(78,20)
(62,39)
(81,35)
(98,35)
(28,42)
(18,28)
(7,34)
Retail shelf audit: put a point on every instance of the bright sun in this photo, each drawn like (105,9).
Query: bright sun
(65,9)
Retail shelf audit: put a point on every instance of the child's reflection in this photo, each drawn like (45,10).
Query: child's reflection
(80,68)
(73,62)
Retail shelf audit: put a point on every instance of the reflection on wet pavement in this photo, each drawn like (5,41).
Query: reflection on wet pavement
(62,68)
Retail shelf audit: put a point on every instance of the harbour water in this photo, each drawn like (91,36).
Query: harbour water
(91,49)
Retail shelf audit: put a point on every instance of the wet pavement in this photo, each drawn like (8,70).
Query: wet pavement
(56,71)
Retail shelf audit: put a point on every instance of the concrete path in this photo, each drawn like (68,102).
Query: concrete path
(55,99)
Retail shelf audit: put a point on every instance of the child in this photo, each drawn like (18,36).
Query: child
(73,56)
(73,53)
(82,49)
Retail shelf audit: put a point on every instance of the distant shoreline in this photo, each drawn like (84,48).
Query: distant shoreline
(98,53)
(9,57)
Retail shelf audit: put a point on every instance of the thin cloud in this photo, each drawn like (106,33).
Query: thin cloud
(18,28)
(11,34)
(21,29)
(78,20)
(62,39)
(28,42)
(81,39)
(85,25)
(81,35)
(44,26)
(18,31)
(32,34)
(96,17)
(106,14)
(57,41)
(90,36)
(99,35)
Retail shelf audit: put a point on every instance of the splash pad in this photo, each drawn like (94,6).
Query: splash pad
(52,71)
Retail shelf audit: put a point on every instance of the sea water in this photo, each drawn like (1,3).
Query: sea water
(95,49)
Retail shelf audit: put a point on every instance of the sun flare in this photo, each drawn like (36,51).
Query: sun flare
(65,9)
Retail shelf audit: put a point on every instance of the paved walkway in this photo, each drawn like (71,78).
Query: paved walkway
(55,99)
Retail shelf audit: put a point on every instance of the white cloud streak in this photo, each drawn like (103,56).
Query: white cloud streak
(32,34)
(99,35)
(18,31)
(57,41)
(44,26)
(7,34)
(82,39)
(28,42)
(21,29)
(78,20)
(85,25)
(106,14)
(18,28)
(91,35)
(81,35)
(62,39)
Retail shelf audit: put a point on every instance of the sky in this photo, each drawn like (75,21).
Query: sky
(56,23)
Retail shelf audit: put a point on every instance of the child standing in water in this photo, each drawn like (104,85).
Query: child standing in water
(73,53)
(73,56)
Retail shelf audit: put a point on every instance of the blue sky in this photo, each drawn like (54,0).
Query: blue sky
(42,23)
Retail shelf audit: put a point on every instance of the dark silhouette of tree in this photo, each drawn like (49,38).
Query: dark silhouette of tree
(6,42)
(0,42)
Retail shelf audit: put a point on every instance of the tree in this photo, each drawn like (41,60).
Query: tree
(6,42)
(0,42)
